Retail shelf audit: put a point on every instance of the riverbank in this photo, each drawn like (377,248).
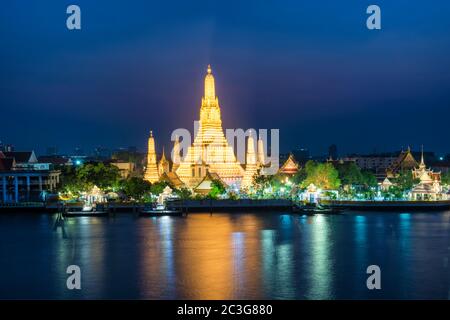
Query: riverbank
(210,205)
(389,205)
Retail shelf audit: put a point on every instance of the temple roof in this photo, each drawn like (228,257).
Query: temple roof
(290,166)
(205,185)
(172,178)
(405,160)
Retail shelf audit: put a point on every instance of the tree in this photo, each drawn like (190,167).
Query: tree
(69,181)
(299,177)
(98,174)
(135,187)
(158,187)
(368,178)
(350,174)
(445,178)
(405,180)
(217,189)
(322,175)
(184,193)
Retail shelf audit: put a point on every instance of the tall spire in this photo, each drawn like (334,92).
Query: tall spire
(250,166)
(261,157)
(151,170)
(210,119)
(422,161)
(210,91)
(176,158)
(163,165)
(210,149)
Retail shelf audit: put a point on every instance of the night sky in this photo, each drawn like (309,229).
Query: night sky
(310,68)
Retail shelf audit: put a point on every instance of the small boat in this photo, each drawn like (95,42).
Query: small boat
(159,211)
(86,210)
(313,209)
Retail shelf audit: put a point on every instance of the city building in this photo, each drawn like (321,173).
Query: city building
(376,163)
(24,178)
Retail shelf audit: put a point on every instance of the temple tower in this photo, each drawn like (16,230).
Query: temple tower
(163,165)
(251,164)
(210,151)
(176,158)
(261,154)
(151,170)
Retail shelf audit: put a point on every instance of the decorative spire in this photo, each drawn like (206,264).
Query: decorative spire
(210,91)
(422,161)
(251,156)
(176,159)
(250,165)
(163,165)
(151,170)
(261,157)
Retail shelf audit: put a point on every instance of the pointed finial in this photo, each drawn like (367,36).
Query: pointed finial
(151,133)
(209,69)
(422,160)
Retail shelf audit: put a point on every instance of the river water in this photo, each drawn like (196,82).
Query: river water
(227,256)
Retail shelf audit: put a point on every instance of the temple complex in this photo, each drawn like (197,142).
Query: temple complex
(209,157)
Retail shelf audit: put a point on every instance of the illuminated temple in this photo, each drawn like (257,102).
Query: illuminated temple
(209,157)
(210,151)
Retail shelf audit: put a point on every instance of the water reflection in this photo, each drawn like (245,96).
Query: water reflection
(227,256)
(321,266)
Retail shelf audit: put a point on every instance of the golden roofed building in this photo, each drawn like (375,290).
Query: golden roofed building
(210,151)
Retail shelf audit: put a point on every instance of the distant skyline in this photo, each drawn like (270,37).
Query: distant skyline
(311,69)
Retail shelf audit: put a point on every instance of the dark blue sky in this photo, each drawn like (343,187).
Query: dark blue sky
(310,68)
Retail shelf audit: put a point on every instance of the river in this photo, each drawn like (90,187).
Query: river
(226,256)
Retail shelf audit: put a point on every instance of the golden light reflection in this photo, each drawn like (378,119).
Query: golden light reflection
(321,268)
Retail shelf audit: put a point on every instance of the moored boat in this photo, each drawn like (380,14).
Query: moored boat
(86,210)
(159,211)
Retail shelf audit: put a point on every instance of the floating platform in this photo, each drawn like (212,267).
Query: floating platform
(69,213)
(161,213)
(210,205)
